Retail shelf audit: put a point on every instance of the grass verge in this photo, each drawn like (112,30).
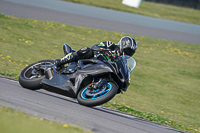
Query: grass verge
(163,11)
(151,117)
(13,121)
(165,81)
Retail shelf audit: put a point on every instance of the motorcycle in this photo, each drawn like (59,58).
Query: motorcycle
(92,81)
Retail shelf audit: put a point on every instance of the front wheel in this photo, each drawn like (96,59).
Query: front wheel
(30,78)
(93,97)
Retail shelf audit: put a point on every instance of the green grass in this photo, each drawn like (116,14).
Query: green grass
(13,121)
(170,12)
(165,82)
(158,118)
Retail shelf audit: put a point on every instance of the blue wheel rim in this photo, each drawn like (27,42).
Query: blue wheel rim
(84,96)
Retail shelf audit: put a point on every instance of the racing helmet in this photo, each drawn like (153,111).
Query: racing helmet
(127,45)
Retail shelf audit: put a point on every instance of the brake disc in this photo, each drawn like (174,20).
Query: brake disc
(94,92)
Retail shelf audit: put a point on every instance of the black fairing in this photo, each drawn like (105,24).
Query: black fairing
(123,74)
(86,69)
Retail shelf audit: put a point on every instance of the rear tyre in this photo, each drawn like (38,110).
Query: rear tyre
(29,78)
(99,96)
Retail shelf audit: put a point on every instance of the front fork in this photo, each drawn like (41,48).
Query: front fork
(97,85)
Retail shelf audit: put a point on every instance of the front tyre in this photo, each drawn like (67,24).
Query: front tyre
(89,97)
(30,78)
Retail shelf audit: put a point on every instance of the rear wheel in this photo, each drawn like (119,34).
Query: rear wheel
(30,78)
(93,97)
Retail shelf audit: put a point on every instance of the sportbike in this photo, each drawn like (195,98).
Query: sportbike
(92,81)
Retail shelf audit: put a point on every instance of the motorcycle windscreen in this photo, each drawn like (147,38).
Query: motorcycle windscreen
(130,62)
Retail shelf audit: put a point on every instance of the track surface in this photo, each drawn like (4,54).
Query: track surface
(62,109)
(93,17)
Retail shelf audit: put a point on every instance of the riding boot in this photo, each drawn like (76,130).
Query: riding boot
(66,59)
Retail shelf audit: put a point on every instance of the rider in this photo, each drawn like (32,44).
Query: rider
(127,45)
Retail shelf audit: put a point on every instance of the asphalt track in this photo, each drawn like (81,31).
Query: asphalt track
(61,109)
(93,17)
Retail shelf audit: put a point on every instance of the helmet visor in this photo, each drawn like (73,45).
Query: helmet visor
(129,51)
